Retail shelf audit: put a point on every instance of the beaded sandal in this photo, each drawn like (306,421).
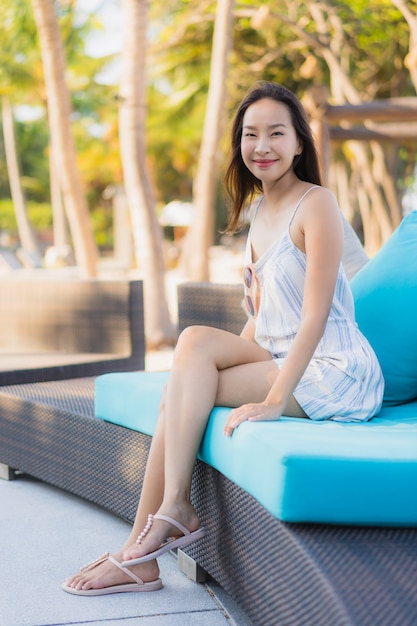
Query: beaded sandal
(169,544)
(137,585)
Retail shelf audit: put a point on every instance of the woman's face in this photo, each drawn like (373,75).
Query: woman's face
(269,142)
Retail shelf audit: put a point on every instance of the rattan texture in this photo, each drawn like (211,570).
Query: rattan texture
(280,574)
(291,574)
(49,431)
(53,321)
(211,304)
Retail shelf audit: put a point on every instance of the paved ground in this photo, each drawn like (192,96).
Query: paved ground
(47,534)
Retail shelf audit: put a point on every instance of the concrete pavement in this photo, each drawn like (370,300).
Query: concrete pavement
(46,534)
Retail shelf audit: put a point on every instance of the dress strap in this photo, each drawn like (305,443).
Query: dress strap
(256,211)
(300,201)
(248,251)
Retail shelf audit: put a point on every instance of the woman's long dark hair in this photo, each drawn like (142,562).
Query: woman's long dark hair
(240,183)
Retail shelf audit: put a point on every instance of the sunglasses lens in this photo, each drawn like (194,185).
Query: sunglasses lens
(247,277)
(249,305)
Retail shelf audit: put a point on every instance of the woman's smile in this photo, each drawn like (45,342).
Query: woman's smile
(264,162)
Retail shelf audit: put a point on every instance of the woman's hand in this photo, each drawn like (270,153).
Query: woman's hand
(253,412)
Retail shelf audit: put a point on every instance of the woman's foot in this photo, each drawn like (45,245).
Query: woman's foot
(163,533)
(104,574)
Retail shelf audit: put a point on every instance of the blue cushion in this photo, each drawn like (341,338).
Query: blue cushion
(300,470)
(130,399)
(385,293)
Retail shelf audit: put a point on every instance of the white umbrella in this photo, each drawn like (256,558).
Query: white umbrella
(177,213)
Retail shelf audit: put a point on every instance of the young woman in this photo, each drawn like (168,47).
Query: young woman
(300,353)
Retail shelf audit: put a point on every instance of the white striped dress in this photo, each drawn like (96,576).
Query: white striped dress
(343,380)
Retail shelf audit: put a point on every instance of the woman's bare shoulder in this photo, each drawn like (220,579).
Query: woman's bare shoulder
(319,215)
(320,202)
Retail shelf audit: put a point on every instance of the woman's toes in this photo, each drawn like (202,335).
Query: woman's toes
(71,581)
(75,583)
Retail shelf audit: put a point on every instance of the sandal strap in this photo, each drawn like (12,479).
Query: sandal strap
(93,564)
(174,522)
(108,557)
(145,531)
(165,518)
(125,570)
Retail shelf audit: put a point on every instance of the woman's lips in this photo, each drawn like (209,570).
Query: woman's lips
(265,163)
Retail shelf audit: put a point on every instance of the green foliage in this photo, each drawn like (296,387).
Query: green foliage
(102,223)
(7,216)
(33,141)
(280,40)
(40,216)
(17,50)
(179,68)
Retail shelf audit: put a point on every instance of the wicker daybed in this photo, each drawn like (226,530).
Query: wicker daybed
(280,574)
(60,327)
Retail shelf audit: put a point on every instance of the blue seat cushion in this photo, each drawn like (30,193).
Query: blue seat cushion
(385,294)
(300,470)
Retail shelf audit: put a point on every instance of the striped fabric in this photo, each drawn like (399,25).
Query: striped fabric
(343,381)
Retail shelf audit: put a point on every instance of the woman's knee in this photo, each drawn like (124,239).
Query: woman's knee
(193,340)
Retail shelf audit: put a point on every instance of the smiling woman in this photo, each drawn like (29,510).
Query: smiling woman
(300,354)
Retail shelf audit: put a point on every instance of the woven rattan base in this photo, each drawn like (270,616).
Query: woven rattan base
(280,574)
(303,574)
(49,431)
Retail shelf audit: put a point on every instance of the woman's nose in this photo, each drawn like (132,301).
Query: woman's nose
(262,146)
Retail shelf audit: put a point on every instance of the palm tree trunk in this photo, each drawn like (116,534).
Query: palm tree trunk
(147,233)
(200,236)
(60,223)
(26,234)
(59,112)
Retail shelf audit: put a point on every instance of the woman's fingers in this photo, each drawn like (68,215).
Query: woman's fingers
(253,412)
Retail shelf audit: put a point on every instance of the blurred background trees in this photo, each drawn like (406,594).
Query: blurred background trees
(358,51)
(61,139)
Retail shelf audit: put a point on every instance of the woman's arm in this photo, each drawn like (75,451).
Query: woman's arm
(319,233)
(248,331)
(317,230)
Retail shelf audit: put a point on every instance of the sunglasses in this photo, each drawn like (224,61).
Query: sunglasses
(251,285)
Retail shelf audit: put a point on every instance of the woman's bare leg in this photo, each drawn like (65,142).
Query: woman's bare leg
(202,359)
(201,355)
(106,574)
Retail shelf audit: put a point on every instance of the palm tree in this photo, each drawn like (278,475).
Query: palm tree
(62,141)
(24,227)
(200,236)
(147,233)
(15,78)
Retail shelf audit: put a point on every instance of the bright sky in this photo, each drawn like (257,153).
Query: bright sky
(107,41)
(110,13)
